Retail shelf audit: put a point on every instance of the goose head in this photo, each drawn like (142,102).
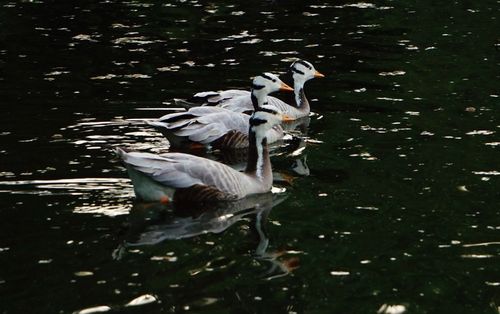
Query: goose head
(302,71)
(263,85)
(264,118)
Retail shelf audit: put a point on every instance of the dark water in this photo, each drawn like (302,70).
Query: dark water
(399,212)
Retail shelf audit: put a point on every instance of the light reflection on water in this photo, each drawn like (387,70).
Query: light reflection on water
(106,196)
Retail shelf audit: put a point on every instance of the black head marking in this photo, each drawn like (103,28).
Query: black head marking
(304,64)
(271,111)
(293,69)
(264,75)
(257,87)
(257,121)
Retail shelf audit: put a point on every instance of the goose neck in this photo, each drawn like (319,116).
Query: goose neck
(300,97)
(258,97)
(258,164)
(298,84)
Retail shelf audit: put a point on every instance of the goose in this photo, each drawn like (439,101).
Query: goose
(239,100)
(219,127)
(180,176)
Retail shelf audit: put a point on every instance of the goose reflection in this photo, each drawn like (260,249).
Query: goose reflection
(299,125)
(293,151)
(281,262)
(153,223)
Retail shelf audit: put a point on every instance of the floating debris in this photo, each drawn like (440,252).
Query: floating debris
(164,258)
(362,5)
(492,144)
(477,256)
(480,132)
(104,77)
(487,173)
(45,261)
(393,73)
(427,133)
(172,68)
(481,244)
(391,309)
(390,99)
(142,300)
(412,113)
(95,309)
(137,76)
(84,273)
(339,273)
(367,207)
(84,37)
(463,188)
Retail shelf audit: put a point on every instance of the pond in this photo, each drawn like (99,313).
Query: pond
(393,202)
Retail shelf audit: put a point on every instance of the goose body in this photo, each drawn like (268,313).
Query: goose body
(240,100)
(214,126)
(159,177)
(183,176)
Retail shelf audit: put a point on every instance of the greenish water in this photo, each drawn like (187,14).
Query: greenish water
(399,212)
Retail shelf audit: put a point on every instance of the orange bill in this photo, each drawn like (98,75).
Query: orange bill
(285,88)
(286,118)
(317,74)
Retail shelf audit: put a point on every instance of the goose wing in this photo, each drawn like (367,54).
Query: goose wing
(287,109)
(243,103)
(213,98)
(240,101)
(191,113)
(204,124)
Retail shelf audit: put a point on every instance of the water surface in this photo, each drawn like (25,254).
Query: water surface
(397,212)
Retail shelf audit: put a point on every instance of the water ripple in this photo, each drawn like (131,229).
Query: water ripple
(111,192)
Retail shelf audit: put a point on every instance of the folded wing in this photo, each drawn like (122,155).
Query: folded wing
(178,170)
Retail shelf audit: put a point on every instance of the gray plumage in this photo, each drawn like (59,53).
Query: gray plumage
(209,125)
(178,170)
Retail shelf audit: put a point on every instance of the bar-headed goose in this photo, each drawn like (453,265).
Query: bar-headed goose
(180,176)
(239,100)
(220,127)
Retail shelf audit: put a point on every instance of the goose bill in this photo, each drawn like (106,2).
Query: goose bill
(285,88)
(317,74)
(286,118)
